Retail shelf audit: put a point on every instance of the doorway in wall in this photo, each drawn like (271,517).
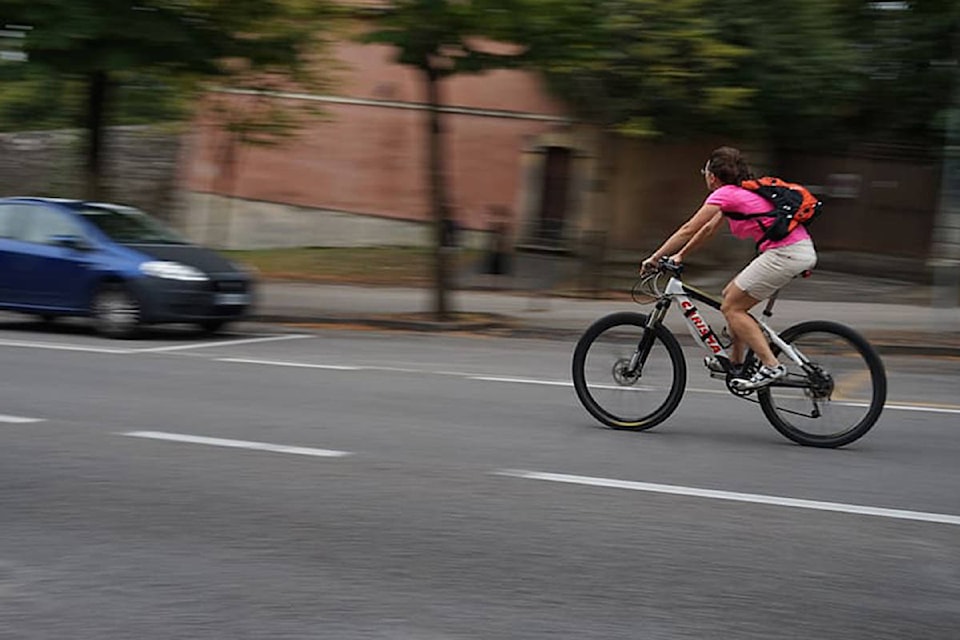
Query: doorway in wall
(554,196)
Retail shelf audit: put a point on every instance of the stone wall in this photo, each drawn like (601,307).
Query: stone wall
(141,166)
(237,223)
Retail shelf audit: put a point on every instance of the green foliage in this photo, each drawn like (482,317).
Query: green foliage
(37,101)
(286,53)
(909,71)
(159,52)
(643,66)
(446,37)
(144,98)
(802,67)
(40,99)
(793,74)
(82,36)
(148,59)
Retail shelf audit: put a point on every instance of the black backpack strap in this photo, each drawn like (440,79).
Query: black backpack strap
(764,237)
(736,215)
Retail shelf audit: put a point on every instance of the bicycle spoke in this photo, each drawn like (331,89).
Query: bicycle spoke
(836,397)
(617,389)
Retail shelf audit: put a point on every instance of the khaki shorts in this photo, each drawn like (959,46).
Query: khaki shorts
(774,268)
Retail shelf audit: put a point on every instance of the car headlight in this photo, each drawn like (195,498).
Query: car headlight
(173,271)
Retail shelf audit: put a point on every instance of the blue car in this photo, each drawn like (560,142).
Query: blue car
(115,264)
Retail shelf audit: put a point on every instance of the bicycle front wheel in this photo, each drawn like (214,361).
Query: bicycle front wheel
(617,395)
(837,397)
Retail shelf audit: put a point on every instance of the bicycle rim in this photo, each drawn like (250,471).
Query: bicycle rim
(607,389)
(844,394)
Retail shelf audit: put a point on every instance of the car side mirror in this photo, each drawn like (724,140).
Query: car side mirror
(76,243)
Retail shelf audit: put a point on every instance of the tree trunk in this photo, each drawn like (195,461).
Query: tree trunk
(98,86)
(438,197)
(226,184)
(604,210)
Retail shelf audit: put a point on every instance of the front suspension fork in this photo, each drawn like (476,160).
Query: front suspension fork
(639,358)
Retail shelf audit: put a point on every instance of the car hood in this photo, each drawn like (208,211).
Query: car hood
(201,258)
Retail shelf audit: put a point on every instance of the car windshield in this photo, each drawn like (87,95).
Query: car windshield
(127,225)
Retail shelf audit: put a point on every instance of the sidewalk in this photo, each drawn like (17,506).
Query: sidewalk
(894,322)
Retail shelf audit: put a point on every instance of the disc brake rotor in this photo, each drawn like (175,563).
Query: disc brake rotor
(622,375)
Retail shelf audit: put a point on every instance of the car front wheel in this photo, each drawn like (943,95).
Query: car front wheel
(116,312)
(212,326)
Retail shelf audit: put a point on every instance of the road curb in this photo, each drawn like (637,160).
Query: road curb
(887,342)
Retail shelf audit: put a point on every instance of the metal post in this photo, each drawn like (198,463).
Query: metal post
(945,255)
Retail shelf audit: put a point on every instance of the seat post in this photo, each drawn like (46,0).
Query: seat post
(768,310)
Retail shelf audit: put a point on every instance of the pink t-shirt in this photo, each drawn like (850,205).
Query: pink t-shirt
(736,199)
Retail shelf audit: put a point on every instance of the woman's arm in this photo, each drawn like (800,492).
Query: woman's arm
(705,233)
(682,236)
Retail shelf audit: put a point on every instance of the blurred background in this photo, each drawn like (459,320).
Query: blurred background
(567,133)
(319,474)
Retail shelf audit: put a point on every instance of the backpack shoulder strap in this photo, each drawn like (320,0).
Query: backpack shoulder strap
(736,215)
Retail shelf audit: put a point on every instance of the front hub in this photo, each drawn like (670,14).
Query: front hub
(622,373)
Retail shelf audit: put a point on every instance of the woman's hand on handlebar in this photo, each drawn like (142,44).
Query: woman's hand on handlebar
(673,264)
(649,265)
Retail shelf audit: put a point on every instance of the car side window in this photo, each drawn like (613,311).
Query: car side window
(8,220)
(40,225)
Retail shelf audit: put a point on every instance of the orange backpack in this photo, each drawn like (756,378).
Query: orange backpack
(793,205)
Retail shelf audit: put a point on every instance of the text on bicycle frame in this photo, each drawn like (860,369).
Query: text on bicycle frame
(706,334)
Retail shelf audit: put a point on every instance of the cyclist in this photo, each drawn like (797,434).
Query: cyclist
(775,265)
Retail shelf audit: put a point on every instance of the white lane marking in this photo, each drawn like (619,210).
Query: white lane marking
(546,383)
(561,383)
(557,383)
(237,444)
(60,347)
(432,372)
(18,420)
(55,346)
(299,365)
(221,343)
(905,407)
(338,367)
(712,494)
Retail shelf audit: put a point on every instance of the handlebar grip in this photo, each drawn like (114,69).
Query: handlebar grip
(669,265)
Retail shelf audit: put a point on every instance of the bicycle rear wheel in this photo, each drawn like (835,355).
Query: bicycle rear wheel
(616,396)
(837,397)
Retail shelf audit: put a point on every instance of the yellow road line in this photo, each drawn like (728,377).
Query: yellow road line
(843,387)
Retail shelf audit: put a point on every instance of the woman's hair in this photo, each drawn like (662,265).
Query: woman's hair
(729,166)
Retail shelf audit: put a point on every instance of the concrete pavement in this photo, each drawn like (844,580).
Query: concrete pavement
(892,315)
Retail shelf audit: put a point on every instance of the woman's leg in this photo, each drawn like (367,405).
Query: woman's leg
(744,329)
(765,274)
(736,344)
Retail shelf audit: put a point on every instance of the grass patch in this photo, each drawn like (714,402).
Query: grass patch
(389,266)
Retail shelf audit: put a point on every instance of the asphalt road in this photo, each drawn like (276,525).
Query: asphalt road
(281,484)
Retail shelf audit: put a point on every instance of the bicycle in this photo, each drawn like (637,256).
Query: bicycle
(833,371)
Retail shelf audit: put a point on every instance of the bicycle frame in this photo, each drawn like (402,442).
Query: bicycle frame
(813,382)
(700,329)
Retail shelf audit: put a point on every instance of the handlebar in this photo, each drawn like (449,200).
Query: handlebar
(646,286)
(666,264)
